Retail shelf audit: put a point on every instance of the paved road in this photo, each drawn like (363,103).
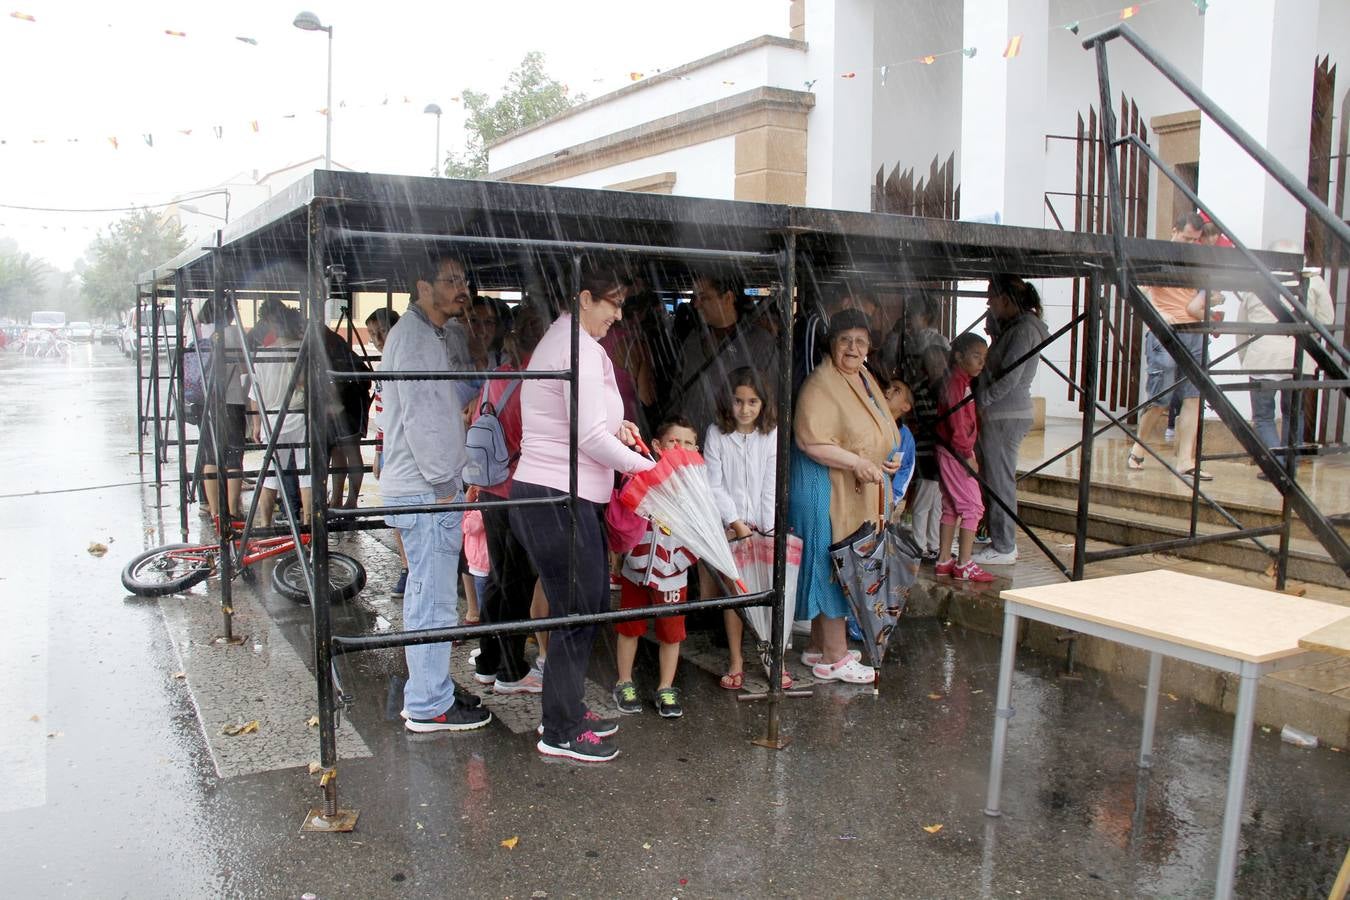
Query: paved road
(116,782)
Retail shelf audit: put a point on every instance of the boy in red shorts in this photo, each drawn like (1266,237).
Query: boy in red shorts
(655,571)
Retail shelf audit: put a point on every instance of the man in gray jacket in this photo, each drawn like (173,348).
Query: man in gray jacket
(423,456)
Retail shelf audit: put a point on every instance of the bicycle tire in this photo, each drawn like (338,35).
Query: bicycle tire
(157,572)
(346,578)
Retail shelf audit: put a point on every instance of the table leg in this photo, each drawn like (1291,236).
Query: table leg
(1342,879)
(1002,713)
(1237,781)
(1150,710)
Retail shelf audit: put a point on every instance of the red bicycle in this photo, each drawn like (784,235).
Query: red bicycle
(177,567)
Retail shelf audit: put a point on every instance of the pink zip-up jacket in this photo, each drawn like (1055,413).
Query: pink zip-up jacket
(544,416)
(962,427)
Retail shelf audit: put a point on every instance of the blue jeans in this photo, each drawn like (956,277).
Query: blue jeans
(432,542)
(1263,416)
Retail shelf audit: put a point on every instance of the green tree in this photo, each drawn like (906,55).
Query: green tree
(530,95)
(131,247)
(21,280)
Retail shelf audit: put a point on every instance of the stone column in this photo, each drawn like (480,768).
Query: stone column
(839,141)
(1258,60)
(1003,112)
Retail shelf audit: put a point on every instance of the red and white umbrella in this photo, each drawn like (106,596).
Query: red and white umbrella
(675,494)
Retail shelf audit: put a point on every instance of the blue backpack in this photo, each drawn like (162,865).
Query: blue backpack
(487,460)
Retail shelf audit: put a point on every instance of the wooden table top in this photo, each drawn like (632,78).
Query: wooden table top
(1334,638)
(1239,622)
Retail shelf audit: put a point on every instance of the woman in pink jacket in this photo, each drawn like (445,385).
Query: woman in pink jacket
(603,440)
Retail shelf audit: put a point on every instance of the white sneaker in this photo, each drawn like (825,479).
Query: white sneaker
(810,658)
(473,654)
(848,669)
(1169,435)
(991,557)
(484,679)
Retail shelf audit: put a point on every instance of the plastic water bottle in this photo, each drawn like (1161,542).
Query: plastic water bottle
(1291,735)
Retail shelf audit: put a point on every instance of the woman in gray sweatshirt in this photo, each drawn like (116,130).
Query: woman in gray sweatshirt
(1003,394)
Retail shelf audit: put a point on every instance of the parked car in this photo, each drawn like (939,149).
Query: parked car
(109,333)
(79,331)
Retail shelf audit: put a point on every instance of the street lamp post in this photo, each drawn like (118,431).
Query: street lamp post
(307,21)
(435,110)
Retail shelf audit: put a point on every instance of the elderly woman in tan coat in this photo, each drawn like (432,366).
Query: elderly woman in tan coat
(845,452)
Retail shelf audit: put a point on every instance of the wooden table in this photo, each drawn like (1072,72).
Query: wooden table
(1335,639)
(1242,630)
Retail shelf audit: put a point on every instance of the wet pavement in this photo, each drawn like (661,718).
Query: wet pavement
(112,782)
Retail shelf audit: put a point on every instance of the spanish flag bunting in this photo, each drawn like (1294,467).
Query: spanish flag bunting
(928,60)
(884,70)
(254,124)
(1014,46)
(634,76)
(113,141)
(22,16)
(171,33)
(849,75)
(1128,12)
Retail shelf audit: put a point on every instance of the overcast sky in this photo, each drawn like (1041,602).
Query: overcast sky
(86,72)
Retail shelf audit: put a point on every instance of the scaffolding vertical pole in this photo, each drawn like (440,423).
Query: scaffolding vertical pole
(219,428)
(1093,312)
(317,379)
(179,363)
(140,383)
(1108,127)
(573,395)
(1293,438)
(788,276)
(157,443)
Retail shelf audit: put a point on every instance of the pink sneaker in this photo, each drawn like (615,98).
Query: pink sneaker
(947,567)
(971,571)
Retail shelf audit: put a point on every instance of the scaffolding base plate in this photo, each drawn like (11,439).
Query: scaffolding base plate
(345,820)
(794,692)
(780,744)
(221,640)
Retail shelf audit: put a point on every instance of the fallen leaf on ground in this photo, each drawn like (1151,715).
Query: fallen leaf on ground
(315,768)
(848,837)
(238,729)
(934,696)
(312,721)
(1172,696)
(1266,729)
(97,549)
(510,843)
(932,829)
(419,826)
(538,895)
(179,675)
(647,846)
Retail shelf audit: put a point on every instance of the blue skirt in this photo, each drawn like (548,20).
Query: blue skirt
(809,518)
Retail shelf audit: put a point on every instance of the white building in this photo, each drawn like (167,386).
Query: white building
(866,85)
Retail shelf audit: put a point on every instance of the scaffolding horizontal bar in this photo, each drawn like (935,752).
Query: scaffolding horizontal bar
(354,643)
(1244,327)
(362,512)
(551,375)
(1287,384)
(339,234)
(1178,543)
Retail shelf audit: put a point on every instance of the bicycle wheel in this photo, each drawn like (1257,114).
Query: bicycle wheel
(168,570)
(346,578)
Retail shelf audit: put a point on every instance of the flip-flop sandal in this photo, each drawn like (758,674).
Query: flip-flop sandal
(732,681)
(1134,463)
(787,681)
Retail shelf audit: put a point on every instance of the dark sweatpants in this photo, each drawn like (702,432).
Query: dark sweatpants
(510,590)
(543,532)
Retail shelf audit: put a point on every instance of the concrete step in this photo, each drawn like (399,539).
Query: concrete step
(1127,518)
(1174,505)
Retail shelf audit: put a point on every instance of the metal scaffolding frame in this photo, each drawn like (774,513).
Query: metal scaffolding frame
(368,224)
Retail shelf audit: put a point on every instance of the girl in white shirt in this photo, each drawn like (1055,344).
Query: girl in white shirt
(741,451)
